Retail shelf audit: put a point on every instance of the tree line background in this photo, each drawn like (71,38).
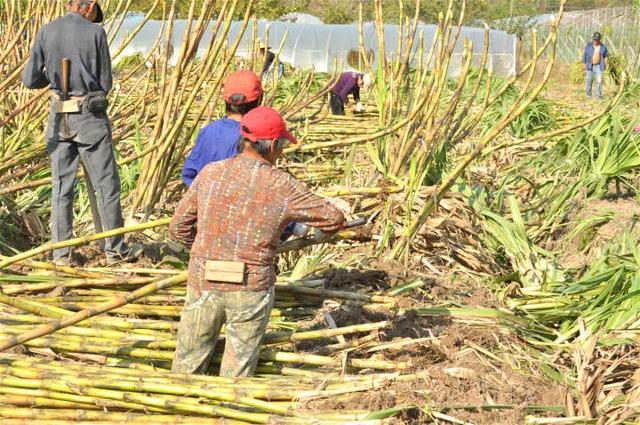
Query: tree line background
(346,11)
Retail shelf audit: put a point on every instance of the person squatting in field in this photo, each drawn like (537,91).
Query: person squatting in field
(349,83)
(79,127)
(234,213)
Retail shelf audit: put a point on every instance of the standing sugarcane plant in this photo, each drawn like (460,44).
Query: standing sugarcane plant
(187,81)
(446,114)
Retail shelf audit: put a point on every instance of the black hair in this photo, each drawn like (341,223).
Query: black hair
(243,108)
(81,3)
(261,146)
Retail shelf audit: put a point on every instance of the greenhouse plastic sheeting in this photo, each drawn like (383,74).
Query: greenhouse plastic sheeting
(317,46)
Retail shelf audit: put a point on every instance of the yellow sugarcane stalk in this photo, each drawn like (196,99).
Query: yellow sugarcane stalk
(117,301)
(81,241)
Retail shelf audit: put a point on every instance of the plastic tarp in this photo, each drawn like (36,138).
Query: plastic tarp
(301,18)
(318,46)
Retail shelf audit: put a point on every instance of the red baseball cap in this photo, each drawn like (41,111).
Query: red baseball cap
(241,87)
(264,123)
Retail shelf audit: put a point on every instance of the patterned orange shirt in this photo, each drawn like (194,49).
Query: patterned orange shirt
(236,210)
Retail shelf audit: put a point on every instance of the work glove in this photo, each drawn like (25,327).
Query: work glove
(300,229)
(340,204)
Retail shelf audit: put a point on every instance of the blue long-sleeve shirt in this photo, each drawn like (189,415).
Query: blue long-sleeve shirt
(587,58)
(215,142)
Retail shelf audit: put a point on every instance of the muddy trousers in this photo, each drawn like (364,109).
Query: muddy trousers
(245,315)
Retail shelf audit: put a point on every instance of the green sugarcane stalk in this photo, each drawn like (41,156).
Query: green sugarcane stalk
(73,283)
(140,326)
(34,368)
(97,345)
(35,363)
(108,295)
(361,342)
(327,293)
(163,386)
(169,311)
(74,398)
(362,191)
(331,332)
(95,332)
(91,346)
(34,307)
(88,274)
(166,420)
(316,360)
(172,404)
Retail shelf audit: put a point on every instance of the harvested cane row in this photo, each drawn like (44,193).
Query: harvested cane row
(149,338)
(113,368)
(81,393)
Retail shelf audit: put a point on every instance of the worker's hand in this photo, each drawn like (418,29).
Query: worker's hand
(352,107)
(340,204)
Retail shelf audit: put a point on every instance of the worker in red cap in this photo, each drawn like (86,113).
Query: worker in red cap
(232,217)
(217,141)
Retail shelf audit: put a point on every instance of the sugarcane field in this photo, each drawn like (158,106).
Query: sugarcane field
(319,212)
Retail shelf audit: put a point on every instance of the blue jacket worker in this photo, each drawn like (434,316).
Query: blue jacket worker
(217,141)
(595,59)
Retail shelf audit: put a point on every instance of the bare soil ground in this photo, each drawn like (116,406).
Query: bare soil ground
(453,376)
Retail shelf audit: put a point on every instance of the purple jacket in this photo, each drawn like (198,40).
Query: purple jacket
(347,84)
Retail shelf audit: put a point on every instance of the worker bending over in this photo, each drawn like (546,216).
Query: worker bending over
(79,126)
(217,141)
(349,83)
(232,217)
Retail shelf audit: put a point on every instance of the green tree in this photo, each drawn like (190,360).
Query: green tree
(268,9)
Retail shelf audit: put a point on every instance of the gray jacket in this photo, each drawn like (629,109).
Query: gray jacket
(83,43)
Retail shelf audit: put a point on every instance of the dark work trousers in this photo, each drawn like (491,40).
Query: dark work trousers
(337,105)
(88,137)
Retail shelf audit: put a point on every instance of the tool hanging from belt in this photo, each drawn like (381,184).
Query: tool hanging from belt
(65,106)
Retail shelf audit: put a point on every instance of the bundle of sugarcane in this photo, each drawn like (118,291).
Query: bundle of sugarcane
(75,392)
(117,339)
(153,341)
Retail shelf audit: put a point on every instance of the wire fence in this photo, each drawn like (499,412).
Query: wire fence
(619,26)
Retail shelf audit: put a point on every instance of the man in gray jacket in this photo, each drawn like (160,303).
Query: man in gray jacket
(78,126)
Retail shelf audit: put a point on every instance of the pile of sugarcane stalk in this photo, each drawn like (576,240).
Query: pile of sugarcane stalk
(71,392)
(149,336)
(125,355)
